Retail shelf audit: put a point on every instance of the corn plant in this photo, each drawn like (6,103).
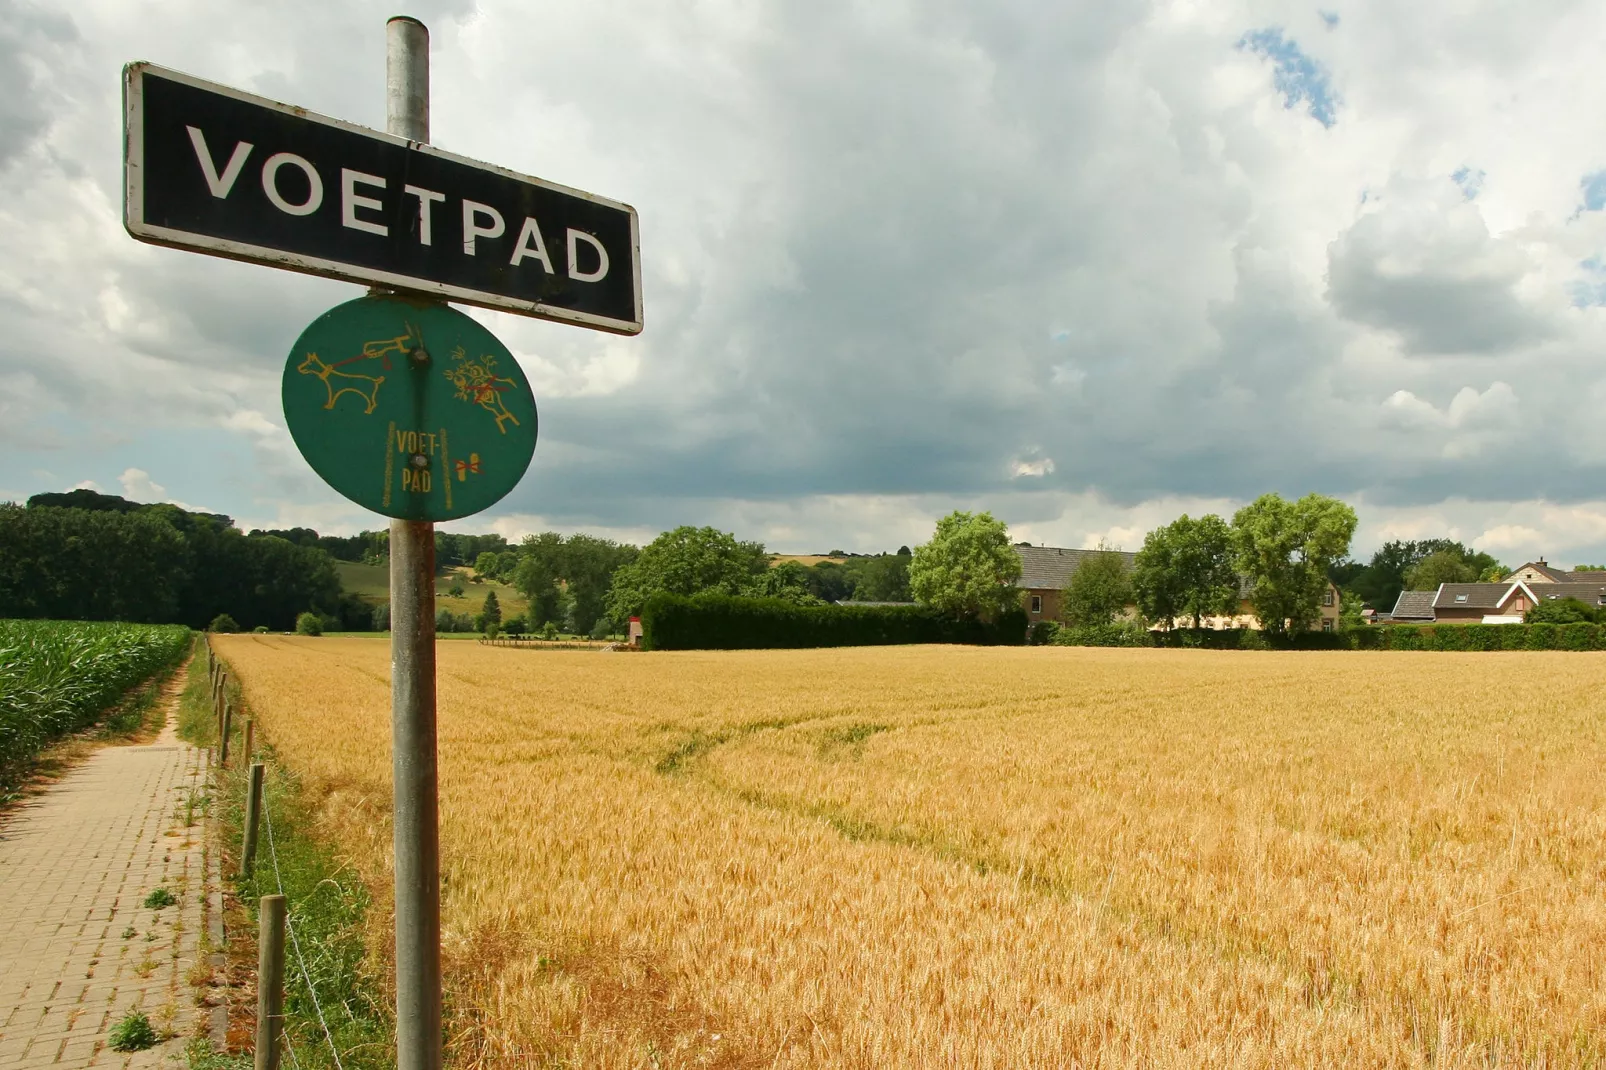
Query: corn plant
(59,676)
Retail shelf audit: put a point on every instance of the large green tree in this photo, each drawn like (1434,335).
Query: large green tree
(1381,580)
(968,568)
(1443,566)
(832,582)
(589,564)
(788,581)
(567,580)
(490,618)
(538,574)
(1098,591)
(1285,549)
(1187,568)
(884,578)
(685,561)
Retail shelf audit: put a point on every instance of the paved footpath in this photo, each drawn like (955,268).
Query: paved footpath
(77,947)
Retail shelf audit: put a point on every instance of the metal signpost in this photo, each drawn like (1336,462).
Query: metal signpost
(402,404)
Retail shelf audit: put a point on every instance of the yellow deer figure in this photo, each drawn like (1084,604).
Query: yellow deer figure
(477,382)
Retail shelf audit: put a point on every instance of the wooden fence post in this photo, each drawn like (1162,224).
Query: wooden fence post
(270,980)
(253,814)
(250,750)
(223,734)
(221,700)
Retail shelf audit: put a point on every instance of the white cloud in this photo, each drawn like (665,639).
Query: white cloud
(1473,422)
(1033,465)
(138,486)
(885,249)
(1420,262)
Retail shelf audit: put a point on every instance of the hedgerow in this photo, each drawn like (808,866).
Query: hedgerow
(727,622)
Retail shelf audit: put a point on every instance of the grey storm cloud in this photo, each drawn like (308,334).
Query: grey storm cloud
(30,37)
(1439,280)
(972,253)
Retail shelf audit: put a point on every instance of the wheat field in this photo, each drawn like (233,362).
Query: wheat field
(961,857)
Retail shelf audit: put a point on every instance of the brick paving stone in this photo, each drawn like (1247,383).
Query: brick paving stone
(76,863)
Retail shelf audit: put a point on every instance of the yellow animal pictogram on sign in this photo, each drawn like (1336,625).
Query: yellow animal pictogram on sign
(338,383)
(364,386)
(477,381)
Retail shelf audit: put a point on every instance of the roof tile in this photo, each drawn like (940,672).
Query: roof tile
(1414,605)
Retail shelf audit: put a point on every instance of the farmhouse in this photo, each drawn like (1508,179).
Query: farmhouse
(1414,607)
(1047,570)
(1506,602)
(1541,572)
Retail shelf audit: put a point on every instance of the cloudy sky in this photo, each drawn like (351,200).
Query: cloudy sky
(1085,265)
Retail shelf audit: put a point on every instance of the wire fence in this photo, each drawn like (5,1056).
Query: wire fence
(295,945)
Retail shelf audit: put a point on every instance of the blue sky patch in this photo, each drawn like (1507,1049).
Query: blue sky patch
(1329,17)
(1590,291)
(1300,79)
(1470,181)
(1594,187)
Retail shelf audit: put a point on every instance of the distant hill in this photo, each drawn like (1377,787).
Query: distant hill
(371,583)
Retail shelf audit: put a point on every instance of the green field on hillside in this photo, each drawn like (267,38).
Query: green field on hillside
(371,583)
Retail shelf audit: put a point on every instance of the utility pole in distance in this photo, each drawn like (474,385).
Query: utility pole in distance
(412,663)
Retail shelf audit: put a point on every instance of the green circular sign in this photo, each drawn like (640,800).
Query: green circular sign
(409,408)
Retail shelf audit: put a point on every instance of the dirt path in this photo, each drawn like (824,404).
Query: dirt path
(77,947)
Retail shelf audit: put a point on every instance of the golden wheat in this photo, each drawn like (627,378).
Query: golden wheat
(956,857)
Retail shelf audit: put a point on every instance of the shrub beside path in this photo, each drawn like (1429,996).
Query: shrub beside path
(78,949)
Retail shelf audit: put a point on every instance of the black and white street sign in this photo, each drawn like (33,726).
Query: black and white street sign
(215,170)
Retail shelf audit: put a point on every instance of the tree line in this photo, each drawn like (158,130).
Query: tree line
(1275,553)
(589,585)
(1279,556)
(86,555)
(101,557)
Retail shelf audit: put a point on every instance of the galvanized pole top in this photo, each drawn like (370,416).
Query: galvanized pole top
(407,78)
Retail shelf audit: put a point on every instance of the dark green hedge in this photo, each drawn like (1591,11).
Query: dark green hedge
(1249,639)
(1481,637)
(1103,635)
(1385,637)
(725,622)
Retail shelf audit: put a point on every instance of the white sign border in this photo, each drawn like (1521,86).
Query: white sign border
(134,203)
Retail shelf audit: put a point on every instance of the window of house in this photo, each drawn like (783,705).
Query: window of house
(1327,624)
(1037,603)
(1460,598)
(1327,599)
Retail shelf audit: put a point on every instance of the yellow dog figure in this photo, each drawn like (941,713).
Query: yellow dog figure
(364,386)
(338,383)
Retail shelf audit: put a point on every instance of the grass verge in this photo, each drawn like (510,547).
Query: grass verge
(333,994)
